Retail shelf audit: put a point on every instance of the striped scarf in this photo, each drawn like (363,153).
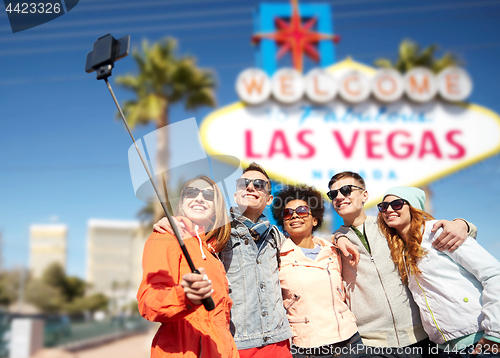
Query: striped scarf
(258,230)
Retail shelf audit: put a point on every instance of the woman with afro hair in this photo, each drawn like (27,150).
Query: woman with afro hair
(311,278)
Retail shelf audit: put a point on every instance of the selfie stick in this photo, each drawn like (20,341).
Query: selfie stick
(103,72)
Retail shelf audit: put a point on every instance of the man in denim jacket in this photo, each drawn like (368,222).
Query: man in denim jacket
(258,320)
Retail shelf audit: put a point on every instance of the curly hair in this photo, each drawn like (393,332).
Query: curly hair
(405,253)
(309,194)
(220,228)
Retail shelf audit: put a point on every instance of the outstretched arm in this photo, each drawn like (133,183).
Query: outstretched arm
(453,235)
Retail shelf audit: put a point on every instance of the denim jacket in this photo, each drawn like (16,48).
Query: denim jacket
(257,316)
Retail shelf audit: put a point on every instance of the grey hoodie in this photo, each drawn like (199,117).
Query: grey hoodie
(385,312)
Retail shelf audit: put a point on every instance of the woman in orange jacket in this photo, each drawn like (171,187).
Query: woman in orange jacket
(170,294)
(311,280)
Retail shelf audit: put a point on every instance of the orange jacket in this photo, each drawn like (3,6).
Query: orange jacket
(187,330)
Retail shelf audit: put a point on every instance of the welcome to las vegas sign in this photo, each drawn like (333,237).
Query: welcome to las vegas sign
(398,142)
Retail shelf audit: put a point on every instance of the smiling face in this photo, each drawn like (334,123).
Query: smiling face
(251,201)
(351,206)
(198,209)
(297,227)
(398,219)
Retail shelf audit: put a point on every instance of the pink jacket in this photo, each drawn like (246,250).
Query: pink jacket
(314,295)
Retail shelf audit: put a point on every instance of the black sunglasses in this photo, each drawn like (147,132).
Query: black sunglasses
(258,184)
(346,190)
(395,204)
(302,211)
(191,193)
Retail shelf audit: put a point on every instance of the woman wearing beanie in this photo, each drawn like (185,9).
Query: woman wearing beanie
(458,293)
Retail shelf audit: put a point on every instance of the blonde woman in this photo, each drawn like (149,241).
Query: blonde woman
(170,294)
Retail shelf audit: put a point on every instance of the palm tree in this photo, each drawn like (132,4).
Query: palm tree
(410,55)
(162,80)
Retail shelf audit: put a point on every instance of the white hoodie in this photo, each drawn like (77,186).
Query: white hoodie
(458,292)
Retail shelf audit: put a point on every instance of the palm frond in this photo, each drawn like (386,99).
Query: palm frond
(384,63)
(410,56)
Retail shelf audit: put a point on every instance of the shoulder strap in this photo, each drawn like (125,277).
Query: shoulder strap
(278,238)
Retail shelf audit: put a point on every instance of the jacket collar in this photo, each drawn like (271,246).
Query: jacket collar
(198,232)
(289,248)
(190,228)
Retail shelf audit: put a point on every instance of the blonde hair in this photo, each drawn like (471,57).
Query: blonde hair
(405,253)
(220,228)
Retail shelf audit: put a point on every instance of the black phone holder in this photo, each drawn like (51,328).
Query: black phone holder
(106,51)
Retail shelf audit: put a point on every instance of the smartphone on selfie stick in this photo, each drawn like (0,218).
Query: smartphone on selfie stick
(101,59)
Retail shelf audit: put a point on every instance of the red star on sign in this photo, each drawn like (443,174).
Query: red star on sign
(296,37)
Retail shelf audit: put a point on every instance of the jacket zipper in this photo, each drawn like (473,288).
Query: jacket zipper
(342,294)
(429,308)
(381,283)
(342,312)
(387,298)
(294,299)
(305,320)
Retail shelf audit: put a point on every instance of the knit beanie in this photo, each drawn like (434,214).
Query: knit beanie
(415,196)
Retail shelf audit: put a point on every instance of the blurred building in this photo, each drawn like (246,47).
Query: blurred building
(114,257)
(47,245)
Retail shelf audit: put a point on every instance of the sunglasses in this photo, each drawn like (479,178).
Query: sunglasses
(302,211)
(258,184)
(191,193)
(346,190)
(395,204)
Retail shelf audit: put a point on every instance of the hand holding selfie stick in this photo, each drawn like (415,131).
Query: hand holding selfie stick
(106,51)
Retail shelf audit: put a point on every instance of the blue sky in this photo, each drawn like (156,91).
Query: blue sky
(64,155)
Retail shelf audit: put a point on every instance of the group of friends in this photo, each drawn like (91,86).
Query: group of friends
(399,285)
